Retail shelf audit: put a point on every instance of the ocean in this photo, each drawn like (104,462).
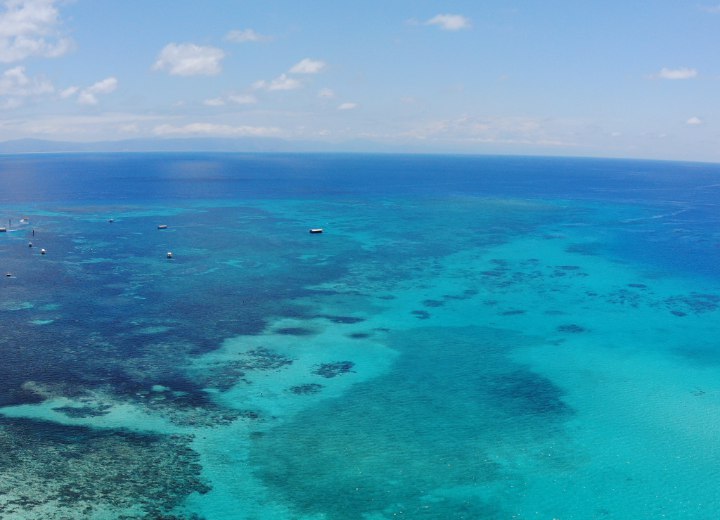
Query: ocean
(469,337)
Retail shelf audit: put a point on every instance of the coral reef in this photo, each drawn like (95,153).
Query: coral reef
(61,472)
(306,389)
(329,370)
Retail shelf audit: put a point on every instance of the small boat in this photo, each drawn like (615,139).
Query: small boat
(162,226)
(3,230)
(169,254)
(315,231)
(111,220)
(42,251)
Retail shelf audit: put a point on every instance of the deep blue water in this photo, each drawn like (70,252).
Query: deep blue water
(471,337)
(162,177)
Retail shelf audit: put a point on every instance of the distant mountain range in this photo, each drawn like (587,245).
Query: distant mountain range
(264,144)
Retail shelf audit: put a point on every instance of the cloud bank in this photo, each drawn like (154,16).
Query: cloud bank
(30,28)
(89,95)
(307,66)
(682,73)
(215,130)
(14,82)
(282,82)
(188,59)
(450,22)
(246,35)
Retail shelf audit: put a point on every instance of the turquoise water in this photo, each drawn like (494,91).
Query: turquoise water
(470,338)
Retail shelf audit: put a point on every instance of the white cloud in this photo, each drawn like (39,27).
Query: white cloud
(14,82)
(238,99)
(246,35)
(88,96)
(215,102)
(104,86)
(131,128)
(243,99)
(682,73)
(694,121)
(188,59)
(285,82)
(69,92)
(450,22)
(307,66)
(326,93)
(81,127)
(215,129)
(282,82)
(497,130)
(714,9)
(30,28)
(347,106)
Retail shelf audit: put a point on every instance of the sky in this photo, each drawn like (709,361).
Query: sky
(556,77)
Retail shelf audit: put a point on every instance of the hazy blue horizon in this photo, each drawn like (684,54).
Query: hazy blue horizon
(498,77)
(261,146)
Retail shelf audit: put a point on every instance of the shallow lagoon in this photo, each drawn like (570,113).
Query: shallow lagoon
(469,338)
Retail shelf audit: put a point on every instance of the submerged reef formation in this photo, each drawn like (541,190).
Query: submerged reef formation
(61,472)
(226,374)
(306,389)
(81,412)
(420,442)
(696,303)
(330,370)
(571,328)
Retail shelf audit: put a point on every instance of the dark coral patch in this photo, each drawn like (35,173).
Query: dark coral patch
(513,312)
(344,320)
(359,335)
(494,272)
(329,370)
(262,358)
(227,374)
(637,285)
(433,303)
(295,331)
(306,389)
(679,313)
(697,303)
(625,297)
(421,315)
(589,249)
(528,393)
(571,328)
(72,472)
(82,412)
(249,414)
